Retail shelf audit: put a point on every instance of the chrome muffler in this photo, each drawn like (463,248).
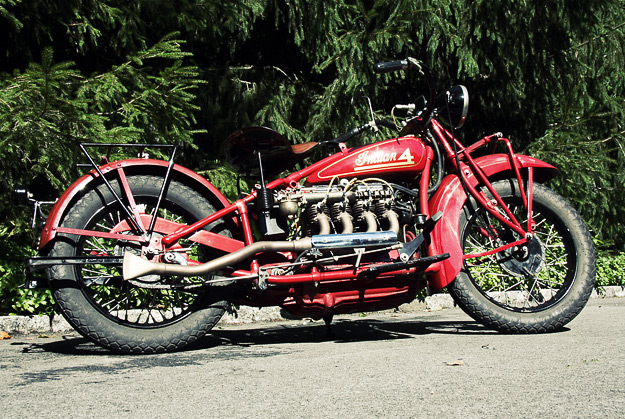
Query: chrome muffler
(135,266)
(354,240)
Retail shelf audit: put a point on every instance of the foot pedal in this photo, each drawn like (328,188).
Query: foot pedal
(413,263)
(410,248)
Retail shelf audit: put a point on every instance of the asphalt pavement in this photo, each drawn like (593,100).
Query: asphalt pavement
(393,364)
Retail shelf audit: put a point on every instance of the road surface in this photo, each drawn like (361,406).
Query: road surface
(420,364)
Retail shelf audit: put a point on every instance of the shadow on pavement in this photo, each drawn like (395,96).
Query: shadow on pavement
(344,331)
(260,335)
(66,345)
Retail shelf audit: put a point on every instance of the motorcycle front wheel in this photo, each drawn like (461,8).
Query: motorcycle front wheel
(124,316)
(533,288)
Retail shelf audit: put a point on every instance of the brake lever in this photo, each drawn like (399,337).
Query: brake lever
(409,107)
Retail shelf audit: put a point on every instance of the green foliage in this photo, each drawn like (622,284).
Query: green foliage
(12,297)
(28,302)
(610,269)
(50,107)
(586,137)
(46,110)
(224,179)
(16,24)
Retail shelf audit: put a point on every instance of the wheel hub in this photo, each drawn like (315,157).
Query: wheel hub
(525,260)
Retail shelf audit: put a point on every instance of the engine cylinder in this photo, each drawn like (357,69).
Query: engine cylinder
(349,207)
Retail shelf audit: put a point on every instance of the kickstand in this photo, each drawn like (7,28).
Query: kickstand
(328,320)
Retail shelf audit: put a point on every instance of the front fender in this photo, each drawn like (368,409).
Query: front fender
(134,166)
(450,198)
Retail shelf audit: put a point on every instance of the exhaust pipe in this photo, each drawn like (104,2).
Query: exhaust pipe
(354,240)
(135,266)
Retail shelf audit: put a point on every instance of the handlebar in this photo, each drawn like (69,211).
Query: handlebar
(387,67)
(350,134)
(415,123)
(357,131)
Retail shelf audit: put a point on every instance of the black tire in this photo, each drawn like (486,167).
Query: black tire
(120,315)
(531,289)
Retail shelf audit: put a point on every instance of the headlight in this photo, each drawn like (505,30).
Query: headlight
(456,99)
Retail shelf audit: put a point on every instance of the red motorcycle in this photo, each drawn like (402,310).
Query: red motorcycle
(144,255)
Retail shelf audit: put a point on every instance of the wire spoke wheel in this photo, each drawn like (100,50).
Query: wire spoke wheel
(124,301)
(535,286)
(526,277)
(149,314)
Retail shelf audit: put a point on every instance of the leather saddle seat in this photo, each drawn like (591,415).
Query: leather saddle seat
(241,150)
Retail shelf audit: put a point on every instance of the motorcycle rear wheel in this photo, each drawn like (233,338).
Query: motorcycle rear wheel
(115,313)
(535,288)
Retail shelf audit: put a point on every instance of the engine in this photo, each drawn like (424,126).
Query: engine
(349,207)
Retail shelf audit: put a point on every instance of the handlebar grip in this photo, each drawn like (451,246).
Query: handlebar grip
(387,67)
(350,134)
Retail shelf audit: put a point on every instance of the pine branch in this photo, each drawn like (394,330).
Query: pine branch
(596,38)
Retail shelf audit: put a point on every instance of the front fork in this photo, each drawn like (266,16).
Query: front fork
(495,206)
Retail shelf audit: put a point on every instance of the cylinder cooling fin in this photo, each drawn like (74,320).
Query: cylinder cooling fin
(356,206)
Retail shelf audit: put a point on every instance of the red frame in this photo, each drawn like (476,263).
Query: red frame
(341,290)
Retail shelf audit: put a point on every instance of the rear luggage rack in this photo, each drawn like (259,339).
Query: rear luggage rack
(82,168)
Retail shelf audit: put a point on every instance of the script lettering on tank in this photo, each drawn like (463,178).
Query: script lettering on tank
(381,160)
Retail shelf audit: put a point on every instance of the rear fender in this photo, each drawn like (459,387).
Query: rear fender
(132,166)
(450,198)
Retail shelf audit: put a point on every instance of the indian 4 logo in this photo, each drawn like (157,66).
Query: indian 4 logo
(381,160)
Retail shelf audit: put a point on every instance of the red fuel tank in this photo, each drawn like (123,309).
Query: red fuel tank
(391,159)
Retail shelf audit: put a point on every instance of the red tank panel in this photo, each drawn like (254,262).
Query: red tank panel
(391,159)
